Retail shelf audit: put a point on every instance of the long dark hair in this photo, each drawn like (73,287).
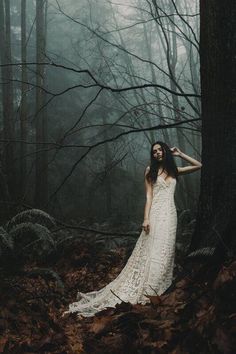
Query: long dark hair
(168,163)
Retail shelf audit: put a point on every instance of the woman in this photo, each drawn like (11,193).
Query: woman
(149,269)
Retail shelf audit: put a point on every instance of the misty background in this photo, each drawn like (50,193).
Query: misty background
(96,78)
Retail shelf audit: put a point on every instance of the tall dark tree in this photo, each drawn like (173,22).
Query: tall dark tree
(7,94)
(41,185)
(23,110)
(217,206)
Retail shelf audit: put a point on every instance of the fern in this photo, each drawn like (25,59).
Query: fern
(36,216)
(6,244)
(202,252)
(32,240)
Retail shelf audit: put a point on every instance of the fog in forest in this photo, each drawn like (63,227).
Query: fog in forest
(100,75)
(86,88)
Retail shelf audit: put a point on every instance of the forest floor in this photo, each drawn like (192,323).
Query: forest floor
(196,315)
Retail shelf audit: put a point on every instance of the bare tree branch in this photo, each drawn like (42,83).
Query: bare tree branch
(112,89)
(91,147)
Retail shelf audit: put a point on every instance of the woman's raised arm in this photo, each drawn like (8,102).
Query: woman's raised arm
(195,164)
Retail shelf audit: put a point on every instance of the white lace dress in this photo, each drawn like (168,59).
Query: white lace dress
(149,269)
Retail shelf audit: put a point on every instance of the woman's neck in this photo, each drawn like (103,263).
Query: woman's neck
(161,169)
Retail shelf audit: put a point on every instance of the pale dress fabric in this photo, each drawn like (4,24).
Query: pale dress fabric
(149,269)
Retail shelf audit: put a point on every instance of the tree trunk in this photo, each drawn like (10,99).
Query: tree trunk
(217,204)
(7,96)
(41,186)
(23,110)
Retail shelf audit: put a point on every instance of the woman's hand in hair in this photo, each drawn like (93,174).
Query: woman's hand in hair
(146,226)
(176,151)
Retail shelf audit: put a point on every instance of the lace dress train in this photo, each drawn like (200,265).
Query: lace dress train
(149,269)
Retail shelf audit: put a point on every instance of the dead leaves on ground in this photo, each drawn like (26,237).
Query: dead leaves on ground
(189,319)
(32,303)
(197,316)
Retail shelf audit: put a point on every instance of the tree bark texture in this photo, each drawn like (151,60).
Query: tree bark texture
(23,108)
(217,204)
(41,186)
(7,95)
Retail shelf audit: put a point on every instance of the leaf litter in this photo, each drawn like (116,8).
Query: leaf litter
(196,315)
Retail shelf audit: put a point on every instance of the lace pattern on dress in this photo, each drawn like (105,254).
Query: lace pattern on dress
(149,269)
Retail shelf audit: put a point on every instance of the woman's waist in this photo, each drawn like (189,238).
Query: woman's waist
(163,204)
(160,198)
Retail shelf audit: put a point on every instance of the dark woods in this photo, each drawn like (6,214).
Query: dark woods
(75,131)
(86,87)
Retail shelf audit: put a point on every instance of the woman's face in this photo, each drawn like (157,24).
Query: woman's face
(157,152)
